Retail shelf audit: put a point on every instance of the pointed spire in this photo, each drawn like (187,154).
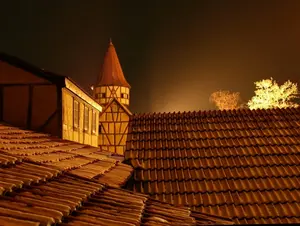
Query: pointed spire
(111,72)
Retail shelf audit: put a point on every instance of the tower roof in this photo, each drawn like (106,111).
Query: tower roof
(111,72)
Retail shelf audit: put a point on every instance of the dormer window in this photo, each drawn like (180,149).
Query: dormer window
(124,95)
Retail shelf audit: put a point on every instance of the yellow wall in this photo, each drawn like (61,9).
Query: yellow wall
(114,123)
(71,133)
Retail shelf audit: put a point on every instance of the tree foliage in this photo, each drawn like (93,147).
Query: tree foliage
(269,94)
(225,100)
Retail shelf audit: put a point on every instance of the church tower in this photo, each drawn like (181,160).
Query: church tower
(112,92)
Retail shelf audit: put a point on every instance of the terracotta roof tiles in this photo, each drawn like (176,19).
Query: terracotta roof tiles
(240,164)
(111,73)
(48,181)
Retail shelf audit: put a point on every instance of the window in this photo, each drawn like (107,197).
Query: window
(75,114)
(94,122)
(124,95)
(101,95)
(86,119)
(99,129)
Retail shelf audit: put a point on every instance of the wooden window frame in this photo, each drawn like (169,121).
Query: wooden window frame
(94,121)
(86,119)
(76,112)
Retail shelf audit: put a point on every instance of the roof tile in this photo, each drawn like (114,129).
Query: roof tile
(241,164)
(78,185)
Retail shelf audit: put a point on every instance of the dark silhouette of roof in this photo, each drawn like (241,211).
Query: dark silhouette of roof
(52,77)
(240,164)
(111,73)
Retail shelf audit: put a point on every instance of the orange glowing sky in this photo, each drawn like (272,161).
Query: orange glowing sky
(173,53)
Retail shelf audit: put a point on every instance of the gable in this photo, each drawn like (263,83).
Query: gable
(114,127)
(115,106)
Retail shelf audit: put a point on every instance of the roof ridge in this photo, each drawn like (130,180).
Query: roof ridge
(217,113)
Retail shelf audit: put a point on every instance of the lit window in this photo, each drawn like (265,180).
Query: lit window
(76,114)
(94,122)
(86,118)
(124,95)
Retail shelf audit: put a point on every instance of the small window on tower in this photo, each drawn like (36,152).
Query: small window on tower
(124,95)
(101,95)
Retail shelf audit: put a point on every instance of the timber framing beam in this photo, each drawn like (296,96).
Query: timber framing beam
(48,120)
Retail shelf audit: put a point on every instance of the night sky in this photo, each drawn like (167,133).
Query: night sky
(173,53)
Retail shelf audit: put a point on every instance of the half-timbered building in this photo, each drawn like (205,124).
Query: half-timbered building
(35,99)
(112,92)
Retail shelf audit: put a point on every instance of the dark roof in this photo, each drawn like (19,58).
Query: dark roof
(17,62)
(111,73)
(240,164)
(52,77)
(46,180)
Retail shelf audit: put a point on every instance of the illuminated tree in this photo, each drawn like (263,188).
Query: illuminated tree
(225,100)
(269,94)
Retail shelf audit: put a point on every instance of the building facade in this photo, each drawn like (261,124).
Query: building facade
(112,92)
(39,100)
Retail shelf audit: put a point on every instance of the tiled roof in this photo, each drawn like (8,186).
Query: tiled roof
(240,164)
(121,207)
(45,181)
(44,150)
(111,73)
